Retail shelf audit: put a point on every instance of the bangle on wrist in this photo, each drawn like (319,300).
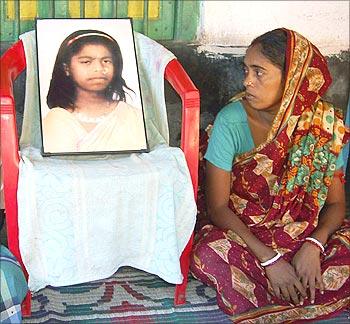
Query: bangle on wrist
(271,261)
(316,243)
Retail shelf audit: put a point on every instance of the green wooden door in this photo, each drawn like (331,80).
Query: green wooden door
(158,19)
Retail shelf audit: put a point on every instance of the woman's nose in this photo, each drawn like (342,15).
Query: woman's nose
(247,81)
(98,66)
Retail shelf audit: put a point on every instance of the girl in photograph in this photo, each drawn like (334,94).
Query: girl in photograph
(87,99)
(277,248)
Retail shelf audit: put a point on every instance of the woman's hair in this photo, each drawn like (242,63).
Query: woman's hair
(273,46)
(62,91)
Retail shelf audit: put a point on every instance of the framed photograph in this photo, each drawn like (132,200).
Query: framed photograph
(90,97)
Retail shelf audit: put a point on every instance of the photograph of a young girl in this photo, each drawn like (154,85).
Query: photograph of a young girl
(87,98)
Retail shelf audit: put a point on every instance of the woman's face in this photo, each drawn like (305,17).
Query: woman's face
(91,68)
(263,81)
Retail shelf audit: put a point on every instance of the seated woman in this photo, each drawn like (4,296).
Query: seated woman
(278,247)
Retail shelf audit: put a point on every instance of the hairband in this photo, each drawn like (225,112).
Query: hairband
(88,34)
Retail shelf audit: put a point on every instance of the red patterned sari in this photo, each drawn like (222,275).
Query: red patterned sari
(278,190)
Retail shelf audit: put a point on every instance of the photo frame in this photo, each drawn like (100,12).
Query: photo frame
(89,87)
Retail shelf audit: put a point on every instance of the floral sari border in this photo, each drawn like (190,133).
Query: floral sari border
(289,314)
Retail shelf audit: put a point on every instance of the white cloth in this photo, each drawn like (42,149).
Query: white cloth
(81,219)
(121,129)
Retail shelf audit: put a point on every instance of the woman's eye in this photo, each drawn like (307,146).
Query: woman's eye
(85,62)
(245,70)
(107,61)
(259,73)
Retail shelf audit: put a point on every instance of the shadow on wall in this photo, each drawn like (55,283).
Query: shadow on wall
(219,76)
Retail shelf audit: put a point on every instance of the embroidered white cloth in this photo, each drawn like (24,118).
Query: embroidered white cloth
(82,219)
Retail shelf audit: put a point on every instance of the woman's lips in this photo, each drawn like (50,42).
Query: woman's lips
(249,96)
(98,78)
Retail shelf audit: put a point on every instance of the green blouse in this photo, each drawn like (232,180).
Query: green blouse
(231,136)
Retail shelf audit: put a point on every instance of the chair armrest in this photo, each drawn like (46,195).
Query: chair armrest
(189,94)
(12,63)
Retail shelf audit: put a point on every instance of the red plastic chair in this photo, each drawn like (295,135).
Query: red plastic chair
(13,63)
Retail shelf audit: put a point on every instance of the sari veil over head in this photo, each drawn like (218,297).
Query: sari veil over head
(279,187)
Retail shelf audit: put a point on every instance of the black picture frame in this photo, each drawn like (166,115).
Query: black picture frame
(67,46)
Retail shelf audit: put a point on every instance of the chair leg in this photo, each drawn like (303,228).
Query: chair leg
(13,240)
(180,289)
(26,305)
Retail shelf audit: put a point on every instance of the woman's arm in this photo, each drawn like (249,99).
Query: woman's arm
(281,274)
(307,260)
(217,196)
(333,213)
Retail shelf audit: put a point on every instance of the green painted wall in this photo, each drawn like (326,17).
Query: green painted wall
(166,19)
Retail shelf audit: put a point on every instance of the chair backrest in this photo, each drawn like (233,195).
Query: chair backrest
(152,60)
(155,62)
(22,55)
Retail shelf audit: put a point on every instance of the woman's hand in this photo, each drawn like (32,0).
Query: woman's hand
(307,266)
(285,283)
(281,275)
(306,261)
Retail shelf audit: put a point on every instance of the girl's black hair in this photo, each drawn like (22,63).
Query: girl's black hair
(62,91)
(273,45)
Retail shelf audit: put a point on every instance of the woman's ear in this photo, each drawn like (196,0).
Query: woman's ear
(66,69)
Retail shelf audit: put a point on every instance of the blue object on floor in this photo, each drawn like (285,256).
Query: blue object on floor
(13,287)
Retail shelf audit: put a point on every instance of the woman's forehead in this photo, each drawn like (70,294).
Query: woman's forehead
(254,57)
(93,49)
